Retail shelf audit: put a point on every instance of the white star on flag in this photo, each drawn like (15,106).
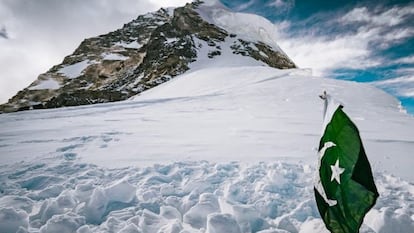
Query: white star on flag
(336,172)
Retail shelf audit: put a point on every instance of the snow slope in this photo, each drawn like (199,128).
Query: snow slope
(224,149)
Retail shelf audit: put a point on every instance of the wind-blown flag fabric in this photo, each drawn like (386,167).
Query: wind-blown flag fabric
(344,186)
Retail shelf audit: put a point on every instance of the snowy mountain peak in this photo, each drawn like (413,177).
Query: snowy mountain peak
(151,50)
(248,26)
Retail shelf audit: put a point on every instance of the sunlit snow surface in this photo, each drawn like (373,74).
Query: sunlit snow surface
(235,148)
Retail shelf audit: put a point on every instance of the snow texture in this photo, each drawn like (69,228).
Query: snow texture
(126,167)
(263,197)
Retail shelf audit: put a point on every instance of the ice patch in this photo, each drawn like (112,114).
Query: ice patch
(171,40)
(131,45)
(48,84)
(114,57)
(75,70)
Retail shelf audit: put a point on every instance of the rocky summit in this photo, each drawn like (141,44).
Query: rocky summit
(146,52)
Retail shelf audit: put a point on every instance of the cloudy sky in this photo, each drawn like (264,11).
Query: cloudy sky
(37,34)
(347,39)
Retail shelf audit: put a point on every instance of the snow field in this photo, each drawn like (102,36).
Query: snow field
(91,168)
(66,196)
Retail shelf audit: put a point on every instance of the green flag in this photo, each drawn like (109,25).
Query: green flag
(344,186)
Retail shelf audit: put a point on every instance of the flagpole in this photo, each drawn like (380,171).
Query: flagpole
(324,97)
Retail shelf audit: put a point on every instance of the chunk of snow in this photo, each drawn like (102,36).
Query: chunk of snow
(219,223)
(121,191)
(249,218)
(18,202)
(151,222)
(130,228)
(11,220)
(84,229)
(96,207)
(170,212)
(197,215)
(67,223)
(313,225)
(388,220)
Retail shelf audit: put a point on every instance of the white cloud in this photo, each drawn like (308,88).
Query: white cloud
(283,4)
(41,33)
(400,86)
(390,17)
(246,5)
(3,33)
(325,53)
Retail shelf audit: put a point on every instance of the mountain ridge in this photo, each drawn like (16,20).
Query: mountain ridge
(144,53)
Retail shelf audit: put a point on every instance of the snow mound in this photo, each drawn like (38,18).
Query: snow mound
(102,201)
(210,197)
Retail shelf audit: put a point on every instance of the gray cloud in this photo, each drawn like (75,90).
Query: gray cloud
(3,33)
(42,32)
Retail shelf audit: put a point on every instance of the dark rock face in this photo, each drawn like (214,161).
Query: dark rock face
(146,52)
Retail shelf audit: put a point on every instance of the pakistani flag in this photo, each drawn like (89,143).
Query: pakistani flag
(344,186)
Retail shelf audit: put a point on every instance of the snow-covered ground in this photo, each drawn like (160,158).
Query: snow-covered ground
(214,150)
